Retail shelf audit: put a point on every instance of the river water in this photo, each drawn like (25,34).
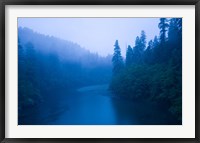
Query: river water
(95,105)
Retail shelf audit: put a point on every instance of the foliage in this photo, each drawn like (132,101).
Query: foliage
(154,73)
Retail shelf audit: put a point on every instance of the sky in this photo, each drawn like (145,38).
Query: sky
(95,34)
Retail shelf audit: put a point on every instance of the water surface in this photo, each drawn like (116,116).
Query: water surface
(95,105)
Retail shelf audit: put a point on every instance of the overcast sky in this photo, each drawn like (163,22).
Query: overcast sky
(95,34)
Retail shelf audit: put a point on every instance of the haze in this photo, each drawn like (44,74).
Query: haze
(95,34)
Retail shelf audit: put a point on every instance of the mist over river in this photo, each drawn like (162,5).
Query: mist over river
(94,105)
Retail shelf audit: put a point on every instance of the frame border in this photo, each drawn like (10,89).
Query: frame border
(3,4)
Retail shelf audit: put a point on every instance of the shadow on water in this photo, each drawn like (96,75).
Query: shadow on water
(141,113)
(45,112)
(94,105)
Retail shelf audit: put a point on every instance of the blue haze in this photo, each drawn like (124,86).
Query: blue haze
(95,34)
(71,81)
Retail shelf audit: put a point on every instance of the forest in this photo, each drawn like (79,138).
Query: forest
(61,82)
(152,72)
(46,65)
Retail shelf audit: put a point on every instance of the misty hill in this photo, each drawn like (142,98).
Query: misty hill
(47,65)
(67,50)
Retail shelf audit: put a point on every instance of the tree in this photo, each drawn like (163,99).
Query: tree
(179,23)
(30,88)
(136,51)
(129,56)
(140,45)
(143,41)
(175,41)
(163,25)
(155,42)
(156,74)
(161,52)
(117,59)
(173,30)
(137,42)
(148,53)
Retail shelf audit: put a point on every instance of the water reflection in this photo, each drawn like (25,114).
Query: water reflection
(88,107)
(95,105)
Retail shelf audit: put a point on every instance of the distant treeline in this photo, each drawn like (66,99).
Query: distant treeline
(152,72)
(47,64)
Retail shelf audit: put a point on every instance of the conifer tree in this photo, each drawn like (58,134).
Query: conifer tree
(163,25)
(129,56)
(140,45)
(117,59)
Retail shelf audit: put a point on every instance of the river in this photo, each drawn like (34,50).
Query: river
(95,105)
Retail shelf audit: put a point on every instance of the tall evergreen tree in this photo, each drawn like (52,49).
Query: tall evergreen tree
(163,25)
(117,59)
(129,56)
(143,41)
(175,40)
(140,45)
(136,50)
(150,45)
(148,53)
(137,41)
(173,30)
(155,42)
(155,50)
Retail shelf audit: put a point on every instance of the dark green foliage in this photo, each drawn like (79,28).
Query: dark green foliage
(156,72)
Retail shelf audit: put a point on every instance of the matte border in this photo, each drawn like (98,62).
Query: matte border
(3,3)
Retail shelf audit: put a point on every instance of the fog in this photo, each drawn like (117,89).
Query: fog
(99,71)
(95,34)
